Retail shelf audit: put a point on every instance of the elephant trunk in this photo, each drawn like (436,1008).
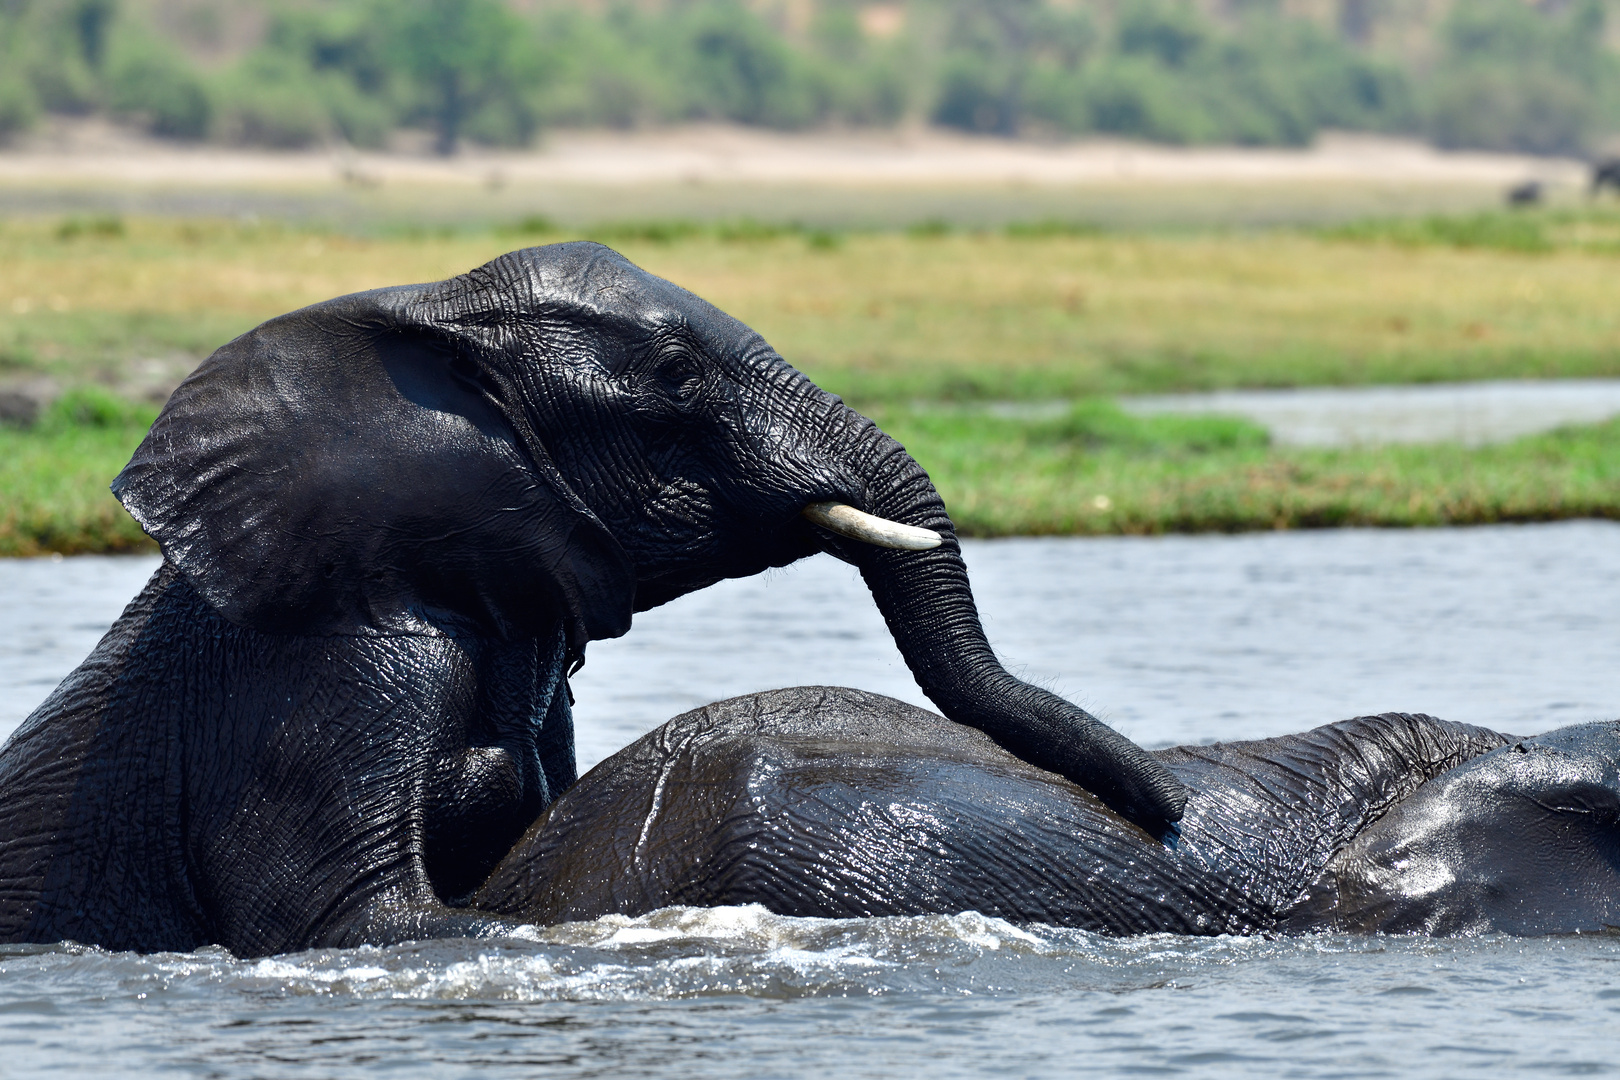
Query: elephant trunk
(928,604)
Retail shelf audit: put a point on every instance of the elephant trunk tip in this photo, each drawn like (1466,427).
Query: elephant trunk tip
(845,520)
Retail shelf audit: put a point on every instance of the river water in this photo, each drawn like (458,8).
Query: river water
(1471,413)
(1178,639)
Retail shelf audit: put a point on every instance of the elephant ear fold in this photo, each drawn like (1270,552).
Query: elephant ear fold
(331,472)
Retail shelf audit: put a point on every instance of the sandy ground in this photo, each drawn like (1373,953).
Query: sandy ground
(93,152)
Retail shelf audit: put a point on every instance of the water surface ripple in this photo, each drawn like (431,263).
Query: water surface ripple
(1174,640)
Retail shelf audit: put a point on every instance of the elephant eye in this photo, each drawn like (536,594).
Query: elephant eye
(681,377)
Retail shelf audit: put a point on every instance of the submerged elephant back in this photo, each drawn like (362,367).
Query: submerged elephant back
(828,802)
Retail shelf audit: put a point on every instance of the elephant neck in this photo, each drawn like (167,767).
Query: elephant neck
(1290,804)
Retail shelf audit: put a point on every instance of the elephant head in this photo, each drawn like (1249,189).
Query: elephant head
(559,437)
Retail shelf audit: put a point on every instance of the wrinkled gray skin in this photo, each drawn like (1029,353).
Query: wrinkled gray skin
(820,801)
(390,523)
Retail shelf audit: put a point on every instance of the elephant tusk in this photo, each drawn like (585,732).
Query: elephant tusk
(847,521)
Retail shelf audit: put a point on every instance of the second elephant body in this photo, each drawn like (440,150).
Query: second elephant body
(820,801)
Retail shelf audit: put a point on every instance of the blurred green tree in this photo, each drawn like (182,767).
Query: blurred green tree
(152,82)
(1541,77)
(92,20)
(737,69)
(470,62)
(990,50)
(1513,76)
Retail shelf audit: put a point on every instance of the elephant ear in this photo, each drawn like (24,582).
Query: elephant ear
(340,469)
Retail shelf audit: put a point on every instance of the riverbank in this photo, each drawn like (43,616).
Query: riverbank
(923,328)
(54,477)
(1094,470)
(1098,471)
(1034,311)
(88,151)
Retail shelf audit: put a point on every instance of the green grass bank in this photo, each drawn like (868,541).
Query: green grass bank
(1099,471)
(1041,310)
(919,328)
(1094,471)
(54,477)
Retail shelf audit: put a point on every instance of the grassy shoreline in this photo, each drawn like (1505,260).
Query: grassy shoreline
(1039,311)
(914,327)
(1164,474)
(1094,471)
(54,477)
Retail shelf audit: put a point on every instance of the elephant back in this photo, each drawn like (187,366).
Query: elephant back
(830,802)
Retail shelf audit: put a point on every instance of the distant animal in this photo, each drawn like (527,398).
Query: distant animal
(1526,194)
(391,523)
(821,801)
(1606,173)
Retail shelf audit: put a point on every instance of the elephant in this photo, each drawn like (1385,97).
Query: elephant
(1605,173)
(1525,193)
(391,523)
(829,802)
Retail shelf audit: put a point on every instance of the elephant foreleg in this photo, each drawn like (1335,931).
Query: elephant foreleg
(482,797)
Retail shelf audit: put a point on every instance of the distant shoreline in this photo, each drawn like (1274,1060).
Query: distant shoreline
(94,152)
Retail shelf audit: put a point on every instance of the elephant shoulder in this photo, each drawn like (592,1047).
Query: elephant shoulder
(80,781)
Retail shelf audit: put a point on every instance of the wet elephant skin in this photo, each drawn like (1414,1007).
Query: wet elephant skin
(391,524)
(829,802)
(1523,840)
(169,807)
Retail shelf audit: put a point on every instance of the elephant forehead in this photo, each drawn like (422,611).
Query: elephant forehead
(597,281)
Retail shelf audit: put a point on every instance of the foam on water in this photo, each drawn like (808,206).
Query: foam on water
(683,952)
(741,992)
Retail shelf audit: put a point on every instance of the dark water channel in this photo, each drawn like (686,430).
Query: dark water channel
(1173,640)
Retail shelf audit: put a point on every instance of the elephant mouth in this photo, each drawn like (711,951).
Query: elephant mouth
(846,521)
